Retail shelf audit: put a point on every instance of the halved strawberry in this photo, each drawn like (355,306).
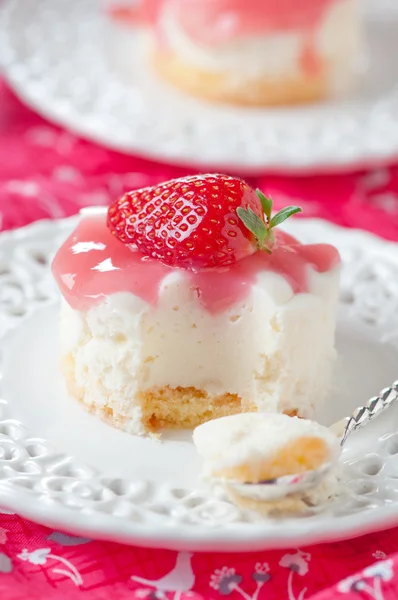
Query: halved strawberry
(195,222)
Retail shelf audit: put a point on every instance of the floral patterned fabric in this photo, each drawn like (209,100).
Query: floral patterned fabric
(47,172)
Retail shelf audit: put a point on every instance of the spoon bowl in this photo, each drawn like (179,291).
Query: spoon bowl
(274,489)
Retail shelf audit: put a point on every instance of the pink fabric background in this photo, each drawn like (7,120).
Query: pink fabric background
(46,172)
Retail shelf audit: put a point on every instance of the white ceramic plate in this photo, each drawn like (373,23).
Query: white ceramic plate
(55,56)
(62,467)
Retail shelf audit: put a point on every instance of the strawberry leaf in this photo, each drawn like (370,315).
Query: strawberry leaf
(284,214)
(253,223)
(266,203)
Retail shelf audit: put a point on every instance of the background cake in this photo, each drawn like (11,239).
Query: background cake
(248,52)
(176,313)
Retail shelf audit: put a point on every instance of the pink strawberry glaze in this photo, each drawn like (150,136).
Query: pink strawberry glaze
(216,21)
(92,264)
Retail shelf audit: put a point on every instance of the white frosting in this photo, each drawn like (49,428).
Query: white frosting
(254,437)
(275,349)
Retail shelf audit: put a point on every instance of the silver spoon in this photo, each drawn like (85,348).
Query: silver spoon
(287,485)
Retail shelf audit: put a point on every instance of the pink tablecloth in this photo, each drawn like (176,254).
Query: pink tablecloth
(48,172)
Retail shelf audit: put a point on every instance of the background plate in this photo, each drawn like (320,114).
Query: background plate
(55,56)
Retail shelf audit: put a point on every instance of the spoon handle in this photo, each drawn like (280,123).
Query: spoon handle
(364,414)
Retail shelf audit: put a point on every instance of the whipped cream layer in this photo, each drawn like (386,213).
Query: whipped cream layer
(252,438)
(262,328)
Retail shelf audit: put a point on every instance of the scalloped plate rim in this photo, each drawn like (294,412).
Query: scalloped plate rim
(193,537)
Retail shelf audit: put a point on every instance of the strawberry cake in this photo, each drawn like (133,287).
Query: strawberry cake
(185,302)
(245,52)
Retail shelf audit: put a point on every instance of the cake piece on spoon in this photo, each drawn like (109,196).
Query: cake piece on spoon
(245,451)
(187,302)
